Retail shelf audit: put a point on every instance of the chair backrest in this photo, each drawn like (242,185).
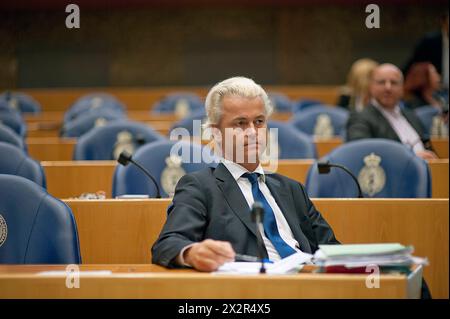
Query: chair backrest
(106,142)
(384,169)
(93,103)
(14,121)
(303,104)
(188,122)
(280,102)
(180,102)
(35,228)
(426,115)
(167,170)
(292,143)
(320,119)
(7,135)
(15,161)
(86,121)
(21,102)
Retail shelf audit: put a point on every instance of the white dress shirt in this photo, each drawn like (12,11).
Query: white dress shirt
(406,133)
(244,184)
(246,188)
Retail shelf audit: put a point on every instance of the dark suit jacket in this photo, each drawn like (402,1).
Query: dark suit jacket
(209,204)
(370,123)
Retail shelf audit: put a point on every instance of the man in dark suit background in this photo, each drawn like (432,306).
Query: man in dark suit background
(385,118)
(209,220)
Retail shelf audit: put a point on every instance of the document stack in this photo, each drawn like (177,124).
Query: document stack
(392,257)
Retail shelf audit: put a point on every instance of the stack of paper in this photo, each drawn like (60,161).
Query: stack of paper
(288,265)
(355,258)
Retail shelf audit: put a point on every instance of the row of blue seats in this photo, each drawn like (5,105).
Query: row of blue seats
(97,108)
(402,173)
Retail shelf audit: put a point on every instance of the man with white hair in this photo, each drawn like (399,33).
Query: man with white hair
(384,117)
(209,220)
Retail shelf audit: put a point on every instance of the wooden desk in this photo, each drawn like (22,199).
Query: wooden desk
(51,148)
(324,147)
(440,146)
(67,179)
(71,178)
(123,231)
(151,281)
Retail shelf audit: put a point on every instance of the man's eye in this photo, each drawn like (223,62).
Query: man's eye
(259,122)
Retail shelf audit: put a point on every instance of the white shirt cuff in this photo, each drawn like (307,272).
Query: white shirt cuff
(180,260)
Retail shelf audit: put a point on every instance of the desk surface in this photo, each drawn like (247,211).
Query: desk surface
(123,231)
(151,281)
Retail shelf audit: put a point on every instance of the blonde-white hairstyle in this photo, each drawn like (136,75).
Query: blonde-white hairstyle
(237,86)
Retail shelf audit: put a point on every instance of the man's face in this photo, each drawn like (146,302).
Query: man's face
(386,86)
(243,127)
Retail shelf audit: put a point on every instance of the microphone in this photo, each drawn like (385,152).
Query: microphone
(125,158)
(257,214)
(324,168)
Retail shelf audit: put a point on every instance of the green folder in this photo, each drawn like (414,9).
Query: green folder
(364,249)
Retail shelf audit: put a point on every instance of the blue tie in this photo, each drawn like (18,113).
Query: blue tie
(270,224)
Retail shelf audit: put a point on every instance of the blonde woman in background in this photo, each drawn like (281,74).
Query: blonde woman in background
(355,94)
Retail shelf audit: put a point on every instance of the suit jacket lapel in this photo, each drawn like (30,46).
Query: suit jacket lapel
(233,196)
(383,122)
(285,202)
(414,123)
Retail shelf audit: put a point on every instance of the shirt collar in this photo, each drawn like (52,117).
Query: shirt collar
(396,111)
(237,170)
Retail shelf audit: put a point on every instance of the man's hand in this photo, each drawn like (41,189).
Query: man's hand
(209,254)
(426,155)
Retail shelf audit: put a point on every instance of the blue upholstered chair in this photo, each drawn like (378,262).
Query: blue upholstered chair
(14,121)
(15,161)
(155,157)
(85,122)
(307,120)
(94,103)
(188,122)
(20,102)
(384,168)
(426,115)
(7,135)
(281,103)
(106,142)
(303,104)
(172,102)
(293,144)
(35,228)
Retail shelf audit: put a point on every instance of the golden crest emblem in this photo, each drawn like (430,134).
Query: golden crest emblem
(323,128)
(124,142)
(438,127)
(182,108)
(3,230)
(13,103)
(101,121)
(172,174)
(372,177)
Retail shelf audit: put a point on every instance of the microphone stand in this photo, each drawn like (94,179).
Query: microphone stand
(257,214)
(324,168)
(125,158)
